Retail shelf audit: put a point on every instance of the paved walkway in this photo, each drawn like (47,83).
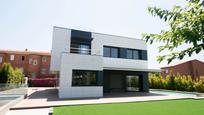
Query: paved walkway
(44,111)
(47,97)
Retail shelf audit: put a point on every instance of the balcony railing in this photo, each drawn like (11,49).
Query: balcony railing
(84,51)
(81,51)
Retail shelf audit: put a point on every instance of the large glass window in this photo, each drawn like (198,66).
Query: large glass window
(84,78)
(133,54)
(117,52)
(106,52)
(114,52)
(129,54)
(136,54)
(132,83)
(110,52)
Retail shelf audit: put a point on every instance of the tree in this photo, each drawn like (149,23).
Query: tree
(10,76)
(186,27)
(6,73)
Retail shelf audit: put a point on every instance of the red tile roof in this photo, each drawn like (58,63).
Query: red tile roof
(25,52)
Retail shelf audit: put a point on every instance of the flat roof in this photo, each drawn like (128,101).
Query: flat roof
(99,33)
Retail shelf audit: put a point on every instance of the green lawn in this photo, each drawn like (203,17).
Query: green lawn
(172,107)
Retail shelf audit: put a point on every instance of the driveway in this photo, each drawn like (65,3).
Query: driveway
(41,97)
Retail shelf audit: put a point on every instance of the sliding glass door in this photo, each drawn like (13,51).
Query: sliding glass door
(132,83)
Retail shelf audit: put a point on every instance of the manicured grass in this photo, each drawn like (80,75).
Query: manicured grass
(171,107)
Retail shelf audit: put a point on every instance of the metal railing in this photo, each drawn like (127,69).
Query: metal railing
(85,51)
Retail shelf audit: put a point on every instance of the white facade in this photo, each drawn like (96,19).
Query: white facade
(64,61)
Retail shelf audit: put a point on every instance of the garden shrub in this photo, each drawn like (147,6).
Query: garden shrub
(199,85)
(156,81)
(170,82)
(175,82)
(10,76)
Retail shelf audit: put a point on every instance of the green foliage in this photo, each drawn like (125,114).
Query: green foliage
(10,76)
(170,82)
(199,86)
(176,82)
(186,27)
(156,81)
(6,73)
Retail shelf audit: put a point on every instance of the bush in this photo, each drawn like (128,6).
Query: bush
(156,81)
(199,86)
(170,82)
(10,76)
(176,82)
(6,73)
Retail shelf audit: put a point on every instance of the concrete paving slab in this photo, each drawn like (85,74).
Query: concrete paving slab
(47,97)
(42,111)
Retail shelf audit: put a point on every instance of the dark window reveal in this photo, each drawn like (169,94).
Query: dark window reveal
(84,78)
(23,58)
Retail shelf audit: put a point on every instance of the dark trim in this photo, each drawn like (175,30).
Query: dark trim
(81,34)
(144,55)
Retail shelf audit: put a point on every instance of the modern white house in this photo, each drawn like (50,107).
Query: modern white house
(91,64)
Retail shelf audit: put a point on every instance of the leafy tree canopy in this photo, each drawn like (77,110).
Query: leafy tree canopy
(186,27)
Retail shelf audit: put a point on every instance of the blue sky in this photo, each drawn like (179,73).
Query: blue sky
(28,23)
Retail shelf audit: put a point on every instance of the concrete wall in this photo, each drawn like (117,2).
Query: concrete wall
(79,62)
(60,43)
(100,40)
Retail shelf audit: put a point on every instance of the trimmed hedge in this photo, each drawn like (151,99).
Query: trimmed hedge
(176,82)
(42,82)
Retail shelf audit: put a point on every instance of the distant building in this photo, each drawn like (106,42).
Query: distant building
(33,64)
(194,68)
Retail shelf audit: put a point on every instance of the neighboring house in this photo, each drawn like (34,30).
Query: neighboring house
(91,63)
(194,68)
(31,63)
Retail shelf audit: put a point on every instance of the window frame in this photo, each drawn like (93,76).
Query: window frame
(44,59)
(35,62)
(22,58)
(1,59)
(12,57)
